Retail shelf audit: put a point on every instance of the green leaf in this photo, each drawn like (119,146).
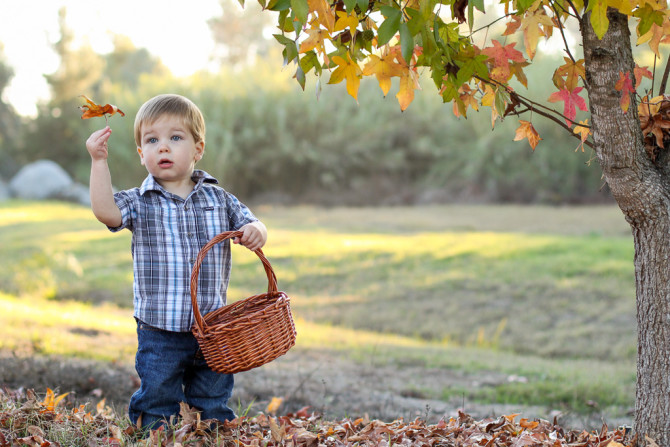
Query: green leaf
(471,66)
(279,5)
(501,99)
(300,77)
(406,42)
(648,17)
(241,2)
(416,22)
(390,27)
(263,3)
(350,5)
(522,5)
(450,92)
(363,5)
(438,72)
(284,22)
(309,61)
(282,39)
(300,9)
(479,4)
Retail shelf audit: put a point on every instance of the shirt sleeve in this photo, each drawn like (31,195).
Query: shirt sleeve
(238,213)
(126,203)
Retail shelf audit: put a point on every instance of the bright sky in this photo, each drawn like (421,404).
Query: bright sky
(174,30)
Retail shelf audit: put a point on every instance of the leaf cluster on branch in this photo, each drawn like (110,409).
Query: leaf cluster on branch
(390,39)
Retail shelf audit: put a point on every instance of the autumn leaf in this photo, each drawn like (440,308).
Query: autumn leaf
(349,70)
(534,25)
(345,21)
(641,72)
(466,99)
(583,131)
(572,101)
(526,130)
(625,86)
(409,82)
(274,405)
(315,40)
(512,26)
(501,55)
(324,13)
(92,109)
(567,75)
(599,20)
(384,68)
(51,401)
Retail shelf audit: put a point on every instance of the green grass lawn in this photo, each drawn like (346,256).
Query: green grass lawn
(544,293)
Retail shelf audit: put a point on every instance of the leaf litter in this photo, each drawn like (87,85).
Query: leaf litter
(25,420)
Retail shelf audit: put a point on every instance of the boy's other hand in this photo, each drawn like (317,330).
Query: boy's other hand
(97,143)
(253,237)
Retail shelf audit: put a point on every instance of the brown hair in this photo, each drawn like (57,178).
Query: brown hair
(170,104)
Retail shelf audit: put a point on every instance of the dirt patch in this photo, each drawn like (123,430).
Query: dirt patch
(331,385)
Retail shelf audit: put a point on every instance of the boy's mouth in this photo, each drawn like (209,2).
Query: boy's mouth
(165,163)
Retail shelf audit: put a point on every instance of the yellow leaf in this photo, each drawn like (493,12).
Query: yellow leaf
(349,70)
(526,130)
(274,404)
(51,401)
(315,40)
(384,68)
(346,21)
(624,6)
(599,20)
(408,83)
(534,25)
(583,133)
(323,12)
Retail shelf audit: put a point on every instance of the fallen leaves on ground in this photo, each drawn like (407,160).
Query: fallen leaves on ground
(22,423)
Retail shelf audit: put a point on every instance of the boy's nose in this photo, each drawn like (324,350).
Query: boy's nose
(163,147)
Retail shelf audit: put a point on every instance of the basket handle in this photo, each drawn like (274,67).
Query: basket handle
(272,278)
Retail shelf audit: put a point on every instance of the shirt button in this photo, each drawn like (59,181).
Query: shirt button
(189,234)
(185,207)
(192,261)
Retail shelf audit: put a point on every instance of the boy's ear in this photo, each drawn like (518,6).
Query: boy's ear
(139,151)
(199,150)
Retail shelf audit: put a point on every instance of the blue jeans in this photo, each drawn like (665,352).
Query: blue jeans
(172,369)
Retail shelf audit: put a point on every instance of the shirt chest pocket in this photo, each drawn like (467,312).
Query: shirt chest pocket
(212,220)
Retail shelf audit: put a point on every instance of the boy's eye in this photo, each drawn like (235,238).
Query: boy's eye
(176,138)
(152,140)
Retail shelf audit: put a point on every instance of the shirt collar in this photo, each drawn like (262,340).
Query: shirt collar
(198,176)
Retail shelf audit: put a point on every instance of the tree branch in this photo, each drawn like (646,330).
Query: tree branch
(560,28)
(664,81)
(542,110)
(574,8)
(491,24)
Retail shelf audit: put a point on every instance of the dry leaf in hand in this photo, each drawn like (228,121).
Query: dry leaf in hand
(92,110)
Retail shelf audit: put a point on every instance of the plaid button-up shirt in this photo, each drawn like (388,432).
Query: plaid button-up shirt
(168,232)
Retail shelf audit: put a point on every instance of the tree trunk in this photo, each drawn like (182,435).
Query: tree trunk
(641,190)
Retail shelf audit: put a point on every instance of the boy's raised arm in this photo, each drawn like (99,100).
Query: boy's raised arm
(102,194)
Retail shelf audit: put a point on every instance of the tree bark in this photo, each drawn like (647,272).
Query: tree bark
(642,192)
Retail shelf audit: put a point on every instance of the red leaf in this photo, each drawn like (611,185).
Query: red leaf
(625,86)
(572,102)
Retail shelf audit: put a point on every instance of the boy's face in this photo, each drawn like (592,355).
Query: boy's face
(168,150)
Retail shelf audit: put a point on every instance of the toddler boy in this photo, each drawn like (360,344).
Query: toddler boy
(175,211)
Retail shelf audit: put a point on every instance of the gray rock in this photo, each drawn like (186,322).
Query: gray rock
(4,191)
(76,192)
(43,179)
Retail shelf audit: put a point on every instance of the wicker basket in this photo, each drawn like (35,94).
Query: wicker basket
(248,333)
